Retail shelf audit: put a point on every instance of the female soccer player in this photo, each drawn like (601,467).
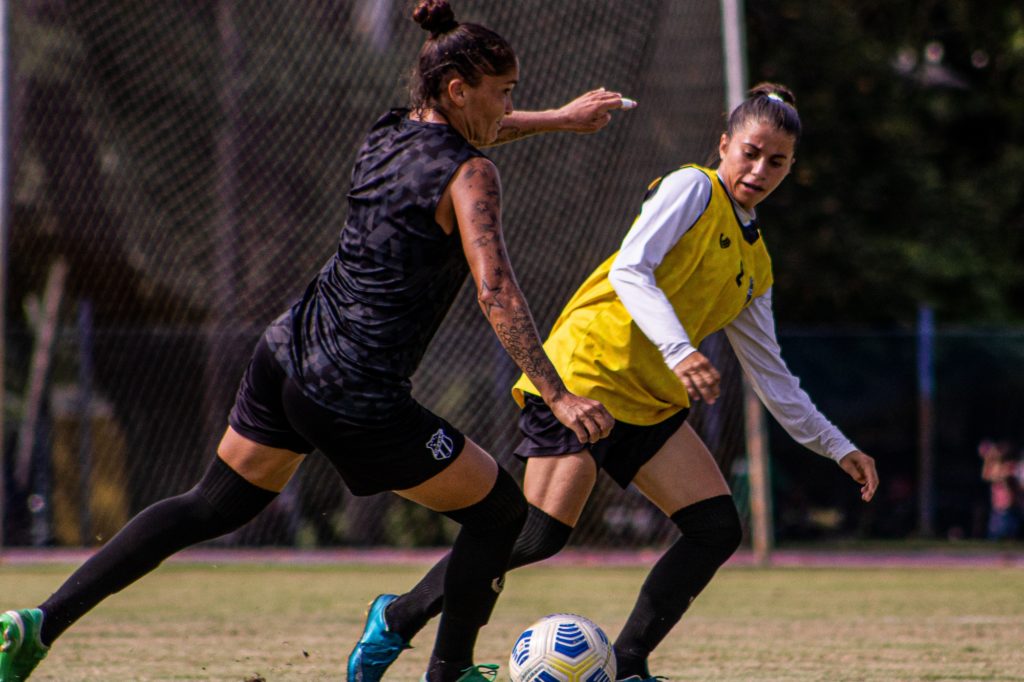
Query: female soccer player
(692,263)
(333,373)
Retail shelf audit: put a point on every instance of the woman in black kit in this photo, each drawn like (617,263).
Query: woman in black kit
(333,372)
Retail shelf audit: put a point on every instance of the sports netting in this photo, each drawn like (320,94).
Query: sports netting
(188,161)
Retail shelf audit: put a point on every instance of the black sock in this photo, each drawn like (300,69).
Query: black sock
(475,574)
(445,671)
(542,537)
(711,532)
(221,502)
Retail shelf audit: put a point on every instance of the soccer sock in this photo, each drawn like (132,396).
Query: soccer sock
(543,536)
(475,574)
(221,502)
(711,532)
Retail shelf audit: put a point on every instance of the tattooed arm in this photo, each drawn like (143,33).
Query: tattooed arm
(588,113)
(476,200)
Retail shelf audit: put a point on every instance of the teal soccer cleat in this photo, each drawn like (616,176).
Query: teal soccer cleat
(20,646)
(377,648)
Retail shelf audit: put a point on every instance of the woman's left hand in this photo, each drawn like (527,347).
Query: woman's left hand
(861,468)
(589,112)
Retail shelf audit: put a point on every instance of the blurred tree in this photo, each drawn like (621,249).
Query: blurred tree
(909,185)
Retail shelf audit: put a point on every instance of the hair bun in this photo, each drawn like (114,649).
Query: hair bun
(774,91)
(435,16)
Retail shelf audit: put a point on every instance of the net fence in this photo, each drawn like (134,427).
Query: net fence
(179,171)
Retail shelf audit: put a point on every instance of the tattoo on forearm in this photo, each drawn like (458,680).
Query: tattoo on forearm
(522,343)
(489,297)
(498,293)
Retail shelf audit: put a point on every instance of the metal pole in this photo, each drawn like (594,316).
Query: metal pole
(222,322)
(734,50)
(734,46)
(85,424)
(925,419)
(759,476)
(5,214)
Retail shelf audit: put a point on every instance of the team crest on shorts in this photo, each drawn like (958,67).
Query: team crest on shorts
(441,446)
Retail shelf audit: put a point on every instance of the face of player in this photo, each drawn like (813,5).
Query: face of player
(755,160)
(484,105)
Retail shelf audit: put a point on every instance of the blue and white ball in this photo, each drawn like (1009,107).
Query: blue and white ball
(562,647)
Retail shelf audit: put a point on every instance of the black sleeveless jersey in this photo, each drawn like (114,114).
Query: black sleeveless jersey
(360,330)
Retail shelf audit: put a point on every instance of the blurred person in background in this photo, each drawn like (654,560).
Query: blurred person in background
(999,470)
(692,263)
(333,372)
(1018,471)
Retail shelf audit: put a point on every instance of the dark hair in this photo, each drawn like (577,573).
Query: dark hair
(468,51)
(769,103)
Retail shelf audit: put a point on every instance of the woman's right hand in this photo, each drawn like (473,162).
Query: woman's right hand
(699,376)
(587,418)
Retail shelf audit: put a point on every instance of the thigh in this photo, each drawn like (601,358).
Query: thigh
(258,414)
(264,466)
(408,447)
(464,482)
(560,470)
(560,485)
(681,473)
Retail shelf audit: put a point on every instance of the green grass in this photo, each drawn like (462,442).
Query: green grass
(243,622)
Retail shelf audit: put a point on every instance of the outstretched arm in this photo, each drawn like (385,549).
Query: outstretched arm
(752,337)
(476,199)
(588,113)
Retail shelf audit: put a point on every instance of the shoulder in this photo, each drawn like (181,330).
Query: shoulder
(477,168)
(691,175)
(688,183)
(390,121)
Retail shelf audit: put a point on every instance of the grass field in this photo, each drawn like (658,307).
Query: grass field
(239,622)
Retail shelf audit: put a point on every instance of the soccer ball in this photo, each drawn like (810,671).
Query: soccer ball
(562,647)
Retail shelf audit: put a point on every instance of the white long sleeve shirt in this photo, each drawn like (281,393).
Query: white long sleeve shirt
(664,219)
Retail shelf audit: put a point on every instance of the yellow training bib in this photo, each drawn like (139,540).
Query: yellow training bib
(714,271)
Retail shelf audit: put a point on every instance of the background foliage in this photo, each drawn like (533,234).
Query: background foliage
(909,186)
(189,161)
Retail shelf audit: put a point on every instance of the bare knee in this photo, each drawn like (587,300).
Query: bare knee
(263,466)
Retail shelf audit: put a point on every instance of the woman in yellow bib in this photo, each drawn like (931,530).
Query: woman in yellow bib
(692,263)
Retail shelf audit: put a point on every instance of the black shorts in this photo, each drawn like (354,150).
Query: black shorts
(621,454)
(411,445)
